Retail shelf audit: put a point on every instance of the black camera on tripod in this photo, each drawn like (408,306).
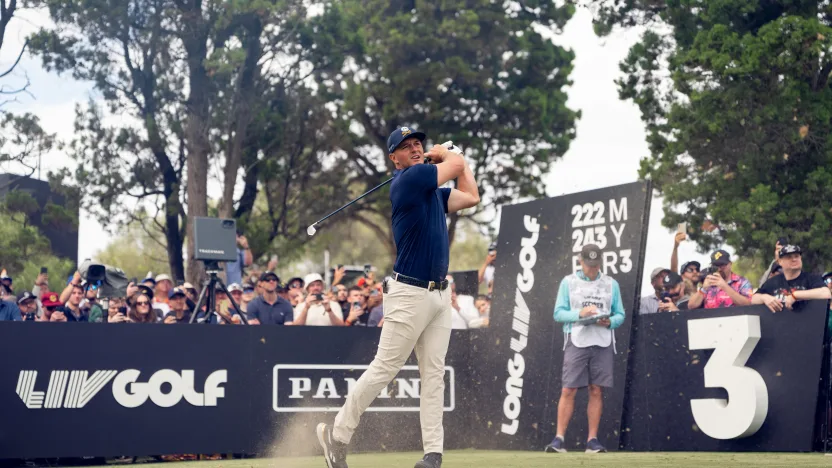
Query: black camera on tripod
(215,240)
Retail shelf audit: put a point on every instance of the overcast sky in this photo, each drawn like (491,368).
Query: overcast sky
(610,135)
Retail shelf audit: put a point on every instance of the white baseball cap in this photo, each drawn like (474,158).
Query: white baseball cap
(163,277)
(311,278)
(235,287)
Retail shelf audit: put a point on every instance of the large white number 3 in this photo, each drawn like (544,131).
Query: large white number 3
(732,339)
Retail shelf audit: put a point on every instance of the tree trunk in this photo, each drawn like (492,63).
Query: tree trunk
(243,109)
(196,128)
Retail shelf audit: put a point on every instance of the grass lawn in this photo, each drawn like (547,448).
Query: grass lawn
(498,459)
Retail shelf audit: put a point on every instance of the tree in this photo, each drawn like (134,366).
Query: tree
(737,101)
(477,72)
(186,74)
(135,252)
(23,248)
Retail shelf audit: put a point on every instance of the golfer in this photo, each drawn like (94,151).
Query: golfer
(417,301)
(589,306)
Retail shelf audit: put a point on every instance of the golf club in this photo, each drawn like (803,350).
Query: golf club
(311,230)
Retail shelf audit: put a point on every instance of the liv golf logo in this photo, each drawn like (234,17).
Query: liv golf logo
(323,388)
(520,328)
(74,389)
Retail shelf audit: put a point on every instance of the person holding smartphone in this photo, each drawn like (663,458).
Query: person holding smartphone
(316,310)
(359,312)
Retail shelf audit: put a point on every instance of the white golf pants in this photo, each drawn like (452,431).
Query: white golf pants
(414,318)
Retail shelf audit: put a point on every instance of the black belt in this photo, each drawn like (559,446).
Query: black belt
(429,285)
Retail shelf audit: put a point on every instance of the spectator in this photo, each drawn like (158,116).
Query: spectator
(90,306)
(162,291)
(6,281)
(341,294)
(460,315)
(486,272)
(588,354)
(9,310)
(234,270)
(295,283)
(41,287)
(190,291)
(359,315)
(28,305)
(72,306)
(142,309)
(690,276)
(247,296)
(51,304)
(483,305)
(116,306)
(149,281)
(650,303)
(673,297)
(295,296)
(316,310)
(6,294)
(794,285)
(143,289)
(723,288)
(236,292)
(270,309)
(375,304)
(179,311)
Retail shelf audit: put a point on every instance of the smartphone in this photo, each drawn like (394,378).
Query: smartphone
(356,305)
(367,269)
(319,297)
(122,310)
(340,266)
(682,228)
(334,290)
(29,318)
(374,292)
(44,270)
(784,241)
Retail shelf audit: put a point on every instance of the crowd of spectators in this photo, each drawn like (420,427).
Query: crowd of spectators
(783,286)
(260,297)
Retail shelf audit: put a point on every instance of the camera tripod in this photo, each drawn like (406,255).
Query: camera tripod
(208,296)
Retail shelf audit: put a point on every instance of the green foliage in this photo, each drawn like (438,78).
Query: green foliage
(23,249)
(473,71)
(738,105)
(135,252)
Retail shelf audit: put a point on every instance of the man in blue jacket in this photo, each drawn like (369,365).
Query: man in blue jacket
(589,306)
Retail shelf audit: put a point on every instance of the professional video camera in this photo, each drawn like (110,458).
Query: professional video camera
(111,281)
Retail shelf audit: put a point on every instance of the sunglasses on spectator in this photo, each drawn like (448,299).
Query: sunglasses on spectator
(828,280)
(143,303)
(692,270)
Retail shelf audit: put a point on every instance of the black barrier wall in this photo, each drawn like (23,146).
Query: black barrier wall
(666,374)
(110,390)
(518,361)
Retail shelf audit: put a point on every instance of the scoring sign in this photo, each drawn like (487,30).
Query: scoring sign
(592,227)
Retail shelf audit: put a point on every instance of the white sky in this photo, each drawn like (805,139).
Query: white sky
(610,135)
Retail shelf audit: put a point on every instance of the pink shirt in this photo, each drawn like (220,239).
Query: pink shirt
(716,297)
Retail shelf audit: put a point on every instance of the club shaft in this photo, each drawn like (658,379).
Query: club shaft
(350,203)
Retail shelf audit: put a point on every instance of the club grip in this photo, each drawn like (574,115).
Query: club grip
(453,148)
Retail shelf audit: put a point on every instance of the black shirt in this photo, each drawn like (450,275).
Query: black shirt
(270,314)
(778,285)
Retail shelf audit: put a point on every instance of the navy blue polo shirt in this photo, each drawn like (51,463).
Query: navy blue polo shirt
(270,314)
(419,226)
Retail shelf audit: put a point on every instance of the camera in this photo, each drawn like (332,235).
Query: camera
(319,297)
(707,272)
(109,280)
(215,239)
(29,318)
